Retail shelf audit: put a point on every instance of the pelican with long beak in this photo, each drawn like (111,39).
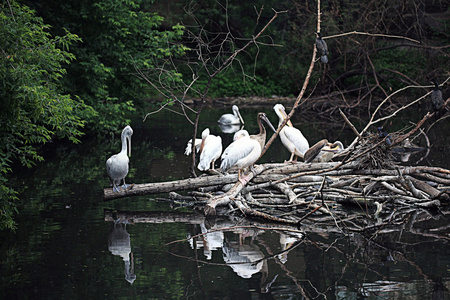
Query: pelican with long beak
(323,151)
(230,119)
(117,165)
(291,137)
(245,150)
(210,150)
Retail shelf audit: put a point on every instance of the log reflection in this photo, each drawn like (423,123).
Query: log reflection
(284,258)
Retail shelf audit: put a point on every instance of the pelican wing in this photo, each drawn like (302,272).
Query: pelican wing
(236,151)
(297,138)
(211,152)
(117,166)
(188,150)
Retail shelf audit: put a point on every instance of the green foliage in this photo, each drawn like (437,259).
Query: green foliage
(232,86)
(118,37)
(33,108)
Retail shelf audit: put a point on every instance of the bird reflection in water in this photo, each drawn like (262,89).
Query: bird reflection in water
(119,244)
(286,242)
(244,258)
(230,128)
(210,240)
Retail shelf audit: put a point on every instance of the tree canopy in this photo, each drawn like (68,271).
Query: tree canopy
(34,109)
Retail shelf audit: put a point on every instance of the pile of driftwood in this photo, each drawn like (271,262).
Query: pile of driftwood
(366,177)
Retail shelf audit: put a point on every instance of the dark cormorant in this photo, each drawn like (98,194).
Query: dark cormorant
(436,98)
(322,48)
(385,135)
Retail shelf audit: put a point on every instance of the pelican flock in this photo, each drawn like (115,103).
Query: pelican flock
(291,137)
(231,119)
(117,165)
(245,150)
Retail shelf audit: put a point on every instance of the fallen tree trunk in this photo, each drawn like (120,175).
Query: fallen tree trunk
(165,187)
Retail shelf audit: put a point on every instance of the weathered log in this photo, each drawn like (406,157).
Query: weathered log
(210,208)
(285,189)
(434,193)
(165,187)
(393,189)
(254,213)
(153,217)
(289,168)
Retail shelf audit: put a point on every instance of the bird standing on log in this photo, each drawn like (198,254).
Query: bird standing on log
(246,150)
(230,119)
(210,150)
(436,99)
(291,137)
(323,151)
(322,48)
(117,165)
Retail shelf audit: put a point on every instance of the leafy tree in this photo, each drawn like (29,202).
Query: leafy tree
(118,36)
(34,111)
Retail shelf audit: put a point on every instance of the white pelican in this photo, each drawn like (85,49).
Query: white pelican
(198,143)
(117,165)
(229,119)
(210,150)
(323,151)
(291,137)
(239,134)
(246,150)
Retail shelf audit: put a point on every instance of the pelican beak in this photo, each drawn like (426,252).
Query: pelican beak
(334,148)
(129,145)
(288,123)
(268,123)
(240,117)
(329,150)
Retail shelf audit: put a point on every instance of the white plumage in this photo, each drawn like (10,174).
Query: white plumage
(198,143)
(234,118)
(117,165)
(210,150)
(245,150)
(188,149)
(239,134)
(241,153)
(291,137)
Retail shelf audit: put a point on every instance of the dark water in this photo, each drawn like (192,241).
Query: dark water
(68,247)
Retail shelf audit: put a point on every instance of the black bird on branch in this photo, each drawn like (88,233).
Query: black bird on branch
(384,135)
(322,48)
(436,98)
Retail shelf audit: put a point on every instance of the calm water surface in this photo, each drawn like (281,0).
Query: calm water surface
(68,246)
